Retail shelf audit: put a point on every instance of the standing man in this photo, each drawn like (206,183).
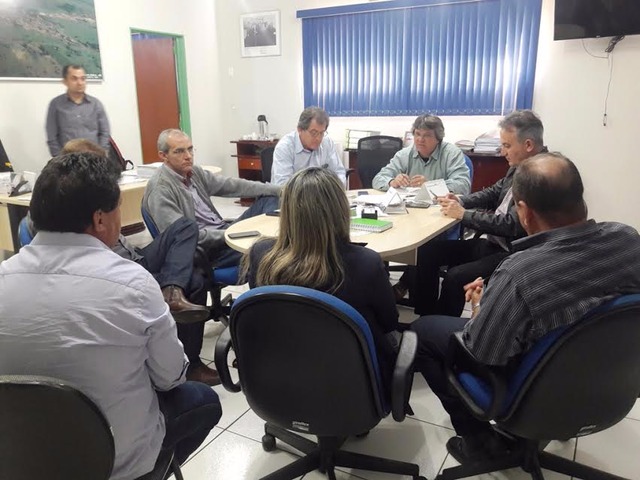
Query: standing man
(521,135)
(75,114)
(71,308)
(429,158)
(308,146)
(567,266)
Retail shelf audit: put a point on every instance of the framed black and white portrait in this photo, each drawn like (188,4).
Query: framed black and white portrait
(260,34)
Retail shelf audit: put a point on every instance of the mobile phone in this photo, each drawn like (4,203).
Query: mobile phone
(275,213)
(251,233)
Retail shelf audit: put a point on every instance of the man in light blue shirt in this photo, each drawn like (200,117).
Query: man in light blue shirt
(429,158)
(308,146)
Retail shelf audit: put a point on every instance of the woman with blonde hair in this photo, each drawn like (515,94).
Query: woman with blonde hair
(313,250)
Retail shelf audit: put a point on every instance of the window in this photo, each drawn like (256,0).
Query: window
(446,57)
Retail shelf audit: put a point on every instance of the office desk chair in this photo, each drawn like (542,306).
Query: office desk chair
(23,233)
(374,153)
(266,160)
(307,363)
(576,380)
(49,429)
(220,278)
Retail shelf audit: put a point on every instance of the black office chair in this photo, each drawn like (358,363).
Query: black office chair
(373,154)
(307,363)
(220,278)
(575,381)
(266,160)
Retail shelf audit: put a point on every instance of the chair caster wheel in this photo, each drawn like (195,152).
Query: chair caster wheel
(420,477)
(268,443)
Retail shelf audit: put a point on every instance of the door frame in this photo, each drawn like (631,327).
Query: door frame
(179,53)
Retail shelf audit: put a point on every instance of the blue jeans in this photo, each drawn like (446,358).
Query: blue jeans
(190,410)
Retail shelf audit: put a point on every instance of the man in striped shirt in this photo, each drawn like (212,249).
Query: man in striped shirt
(565,267)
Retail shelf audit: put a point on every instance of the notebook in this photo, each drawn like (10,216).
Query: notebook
(370,225)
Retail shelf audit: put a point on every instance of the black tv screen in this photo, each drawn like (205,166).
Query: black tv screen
(596,18)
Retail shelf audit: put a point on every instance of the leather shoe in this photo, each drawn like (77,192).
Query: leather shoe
(203,374)
(473,448)
(182,310)
(399,291)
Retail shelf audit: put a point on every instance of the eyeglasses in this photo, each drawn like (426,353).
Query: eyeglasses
(423,136)
(182,151)
(316,133)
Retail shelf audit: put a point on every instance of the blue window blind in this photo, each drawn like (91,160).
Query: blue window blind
(446,57)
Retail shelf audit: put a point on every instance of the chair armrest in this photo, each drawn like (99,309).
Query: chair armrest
(403,375)
(459,360)
(221,353)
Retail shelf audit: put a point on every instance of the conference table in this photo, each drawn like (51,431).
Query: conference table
(398,244)
(13,209)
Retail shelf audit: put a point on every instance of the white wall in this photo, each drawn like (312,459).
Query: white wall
(228,92)
(569,96)
(24,103)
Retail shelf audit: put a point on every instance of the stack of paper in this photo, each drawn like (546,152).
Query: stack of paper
(147,171)
(488,142)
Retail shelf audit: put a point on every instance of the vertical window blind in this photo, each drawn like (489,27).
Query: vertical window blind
(446,57)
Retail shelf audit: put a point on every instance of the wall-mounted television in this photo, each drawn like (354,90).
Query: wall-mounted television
(596,18)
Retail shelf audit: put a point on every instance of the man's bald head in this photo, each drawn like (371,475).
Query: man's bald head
(551,186)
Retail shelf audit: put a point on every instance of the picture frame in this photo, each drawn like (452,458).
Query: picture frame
(260,34)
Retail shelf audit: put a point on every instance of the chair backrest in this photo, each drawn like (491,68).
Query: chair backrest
(373,154)
(266,159)
(579,379)
(49,429)
(306,361)
(469,163)
(148,221)
(24,235)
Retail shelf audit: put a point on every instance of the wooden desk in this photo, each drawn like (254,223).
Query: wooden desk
(398,244)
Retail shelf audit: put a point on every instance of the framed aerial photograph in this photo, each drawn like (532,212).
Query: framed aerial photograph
(39,37)
(260,34)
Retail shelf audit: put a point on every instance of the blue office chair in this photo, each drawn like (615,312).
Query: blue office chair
(23,232)
(49,429)
(576,380)
(307,363)
(221,277)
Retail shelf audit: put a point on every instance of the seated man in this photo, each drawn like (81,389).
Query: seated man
(521,135)
(429,158)
(70,308)
(180,188)
(567,266)
(170,259)
(308,146)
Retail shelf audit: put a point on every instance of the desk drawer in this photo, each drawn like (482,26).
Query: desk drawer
(249,163)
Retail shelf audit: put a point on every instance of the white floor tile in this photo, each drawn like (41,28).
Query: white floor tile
(249,425)
(564,449)
(635,411)
(614,450)
(212,331)
(409,441)
(231,456)
(233,404)
(426,405)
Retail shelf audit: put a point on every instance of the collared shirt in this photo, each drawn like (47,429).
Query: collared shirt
(71,308)
(67,120)
(290,156)
(503,209)
(204,216)
(446,162)
(551,280)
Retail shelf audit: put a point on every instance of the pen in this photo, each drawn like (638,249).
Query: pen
(435,197)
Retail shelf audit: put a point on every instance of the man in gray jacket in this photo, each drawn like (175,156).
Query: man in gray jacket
(521,135)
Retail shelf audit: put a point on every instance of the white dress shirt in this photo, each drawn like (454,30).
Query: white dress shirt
(73,309)
(290,156)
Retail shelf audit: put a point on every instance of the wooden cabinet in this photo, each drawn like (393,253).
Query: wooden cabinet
(488,168)
(248,155)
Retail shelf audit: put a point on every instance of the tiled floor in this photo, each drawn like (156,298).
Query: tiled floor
(233,449)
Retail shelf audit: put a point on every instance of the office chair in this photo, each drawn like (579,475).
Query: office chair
(266,160)
(24,235)
(576,380)
(220,278)
(307,363)
(373,154)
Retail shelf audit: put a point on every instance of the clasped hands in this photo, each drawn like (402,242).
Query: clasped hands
(404,180)
(451,206)
(473,293)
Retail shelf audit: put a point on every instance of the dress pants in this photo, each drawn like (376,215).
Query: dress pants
(434,332)
(191,410)
(466,261)
(170,259)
